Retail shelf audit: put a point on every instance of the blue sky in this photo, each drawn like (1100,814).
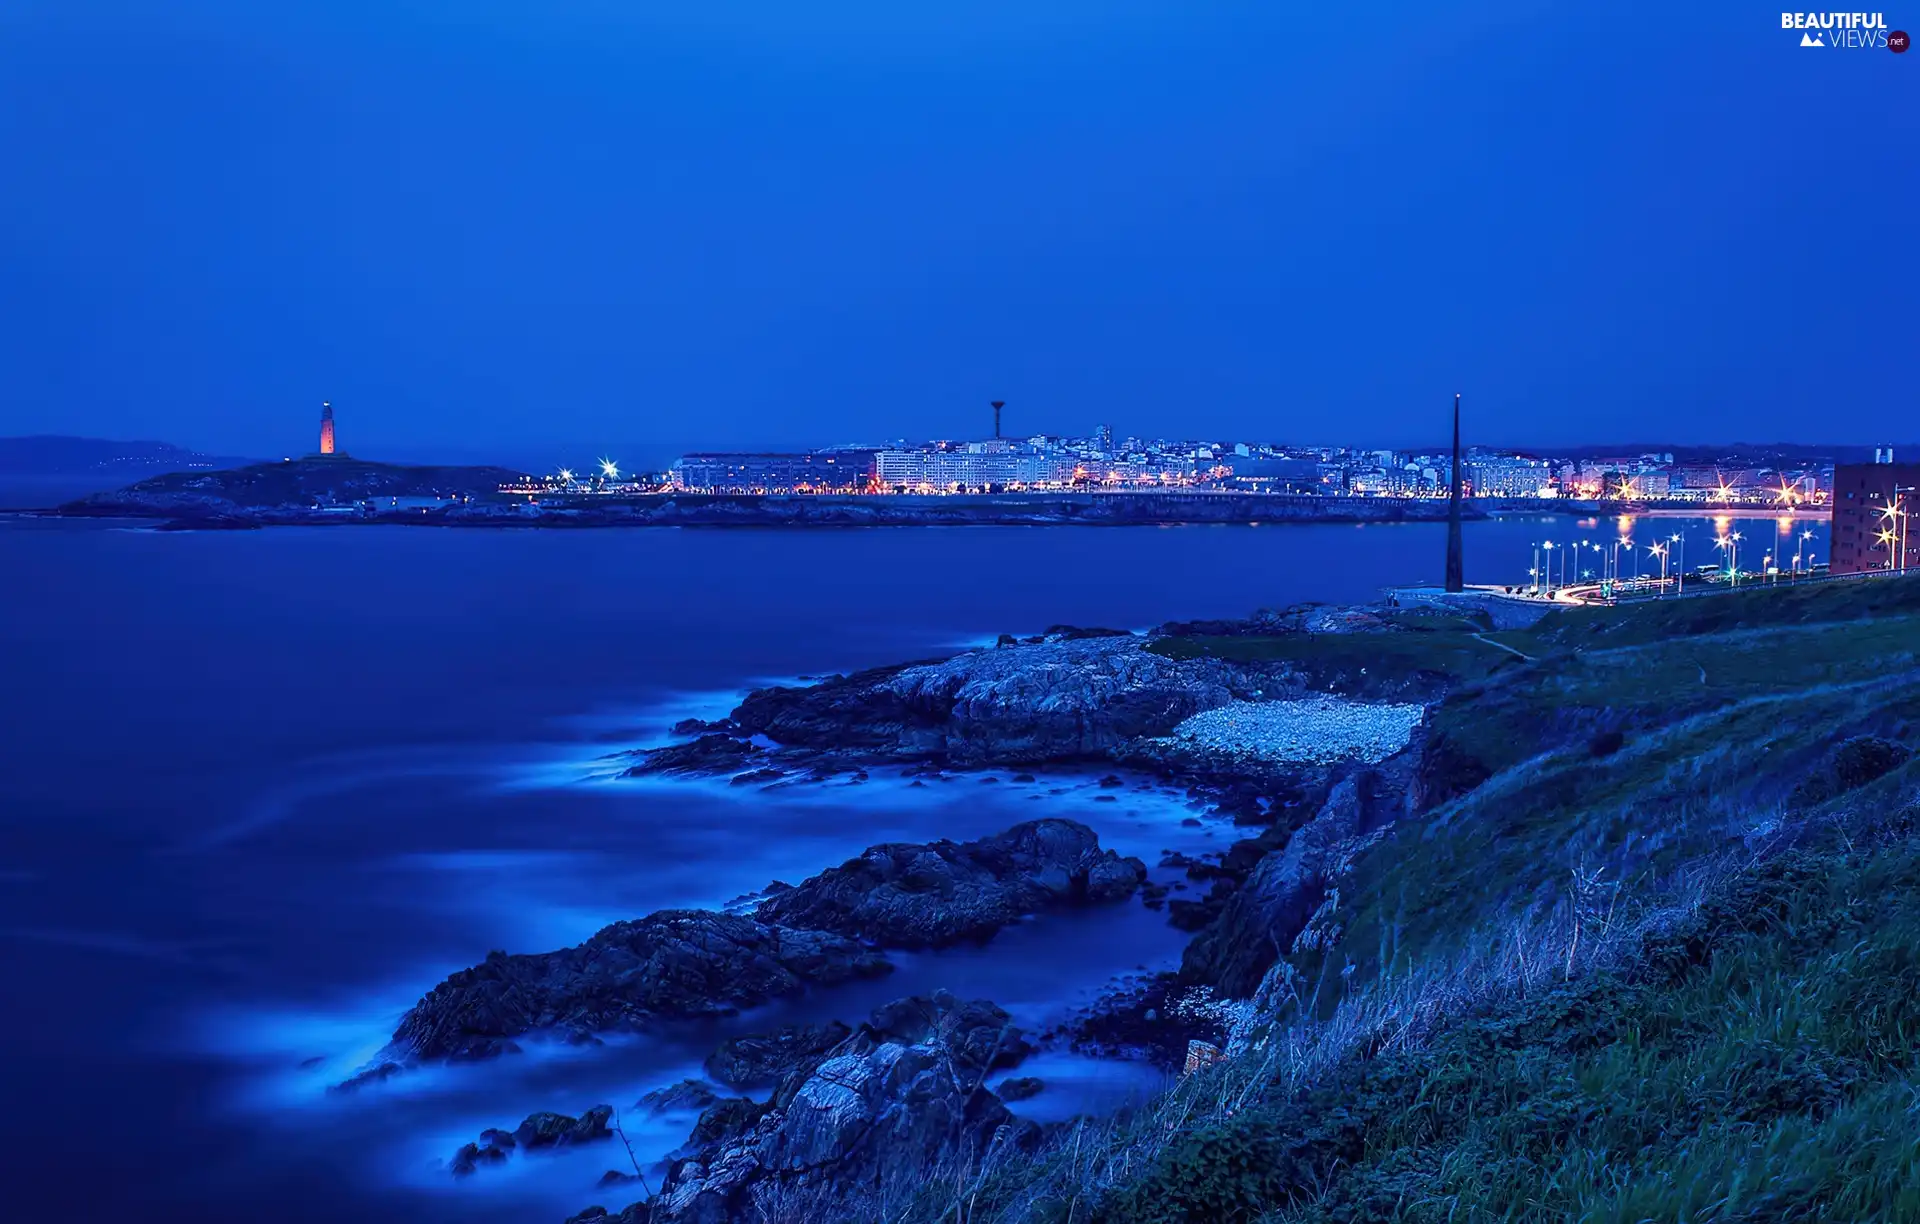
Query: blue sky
(480,225)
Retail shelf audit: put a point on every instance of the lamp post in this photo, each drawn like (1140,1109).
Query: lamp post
(1660,551)
(1900,516)
(1549,547)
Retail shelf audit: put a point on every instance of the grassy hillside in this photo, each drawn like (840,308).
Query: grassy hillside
(1757,1062)
(1648,951)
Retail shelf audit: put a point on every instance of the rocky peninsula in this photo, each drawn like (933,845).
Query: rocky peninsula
(1306,726)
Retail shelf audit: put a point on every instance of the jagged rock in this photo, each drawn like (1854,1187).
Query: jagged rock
(471,1156)
(685,1095)
(763,1058)
(551,1130)
(723,1120)
(1060,700)
(538,1131)
(1020,1088)
(379,1073)
(893,1098)
(912,896)
(755,777)
(676,963)
(978,1035)
(1264,915)
(702,726)
(715,752)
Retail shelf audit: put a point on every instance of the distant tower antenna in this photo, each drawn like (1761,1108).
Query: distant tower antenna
(997,406)
(1456,570)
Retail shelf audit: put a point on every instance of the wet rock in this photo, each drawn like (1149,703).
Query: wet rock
(673,964)
(901,1093)
(745,1062)
(1020,1088)
(702,726)
(1288,883)
(978,1035)
(471,1157)
(712,753)
(1023,777)
(1111,782)
(380,1073)
(687,1095)
(757,777)
(552,1130)
(1074,699)
(918,896)
(724,1120)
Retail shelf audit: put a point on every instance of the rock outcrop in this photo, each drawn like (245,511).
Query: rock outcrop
(538,1132)
(919,896)
(680,964)
(1262,917)
(762,1059)
(673,964)
(901,1093)
(1064,699)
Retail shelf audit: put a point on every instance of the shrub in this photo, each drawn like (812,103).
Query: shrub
(1864,759)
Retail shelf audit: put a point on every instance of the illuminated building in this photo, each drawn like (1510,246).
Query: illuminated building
(326,428)
(1873,509)
(848,471)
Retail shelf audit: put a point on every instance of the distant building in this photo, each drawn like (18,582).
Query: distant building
(1873,513)
(978,466)
(849,471)
(1103,439)
(1508,476)
(326,429)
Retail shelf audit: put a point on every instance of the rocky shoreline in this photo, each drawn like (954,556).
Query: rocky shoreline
(795,1111)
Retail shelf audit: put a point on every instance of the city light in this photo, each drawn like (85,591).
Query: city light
(610,469)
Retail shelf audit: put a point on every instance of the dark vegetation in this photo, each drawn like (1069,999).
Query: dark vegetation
(1755,1063)
(1645,948)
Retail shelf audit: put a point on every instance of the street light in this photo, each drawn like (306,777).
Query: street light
(1680,538)
(1549,547)
(1899,514)
(1660,551)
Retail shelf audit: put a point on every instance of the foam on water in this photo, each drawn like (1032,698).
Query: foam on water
(605,847)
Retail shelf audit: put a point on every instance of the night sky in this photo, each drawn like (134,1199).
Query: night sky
(474,224)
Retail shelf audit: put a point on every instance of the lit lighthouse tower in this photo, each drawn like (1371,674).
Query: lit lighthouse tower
(326,428)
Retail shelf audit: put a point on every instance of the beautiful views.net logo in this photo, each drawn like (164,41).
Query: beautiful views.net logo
(1861,30)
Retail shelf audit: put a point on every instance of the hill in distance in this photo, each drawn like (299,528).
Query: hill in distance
(57,455)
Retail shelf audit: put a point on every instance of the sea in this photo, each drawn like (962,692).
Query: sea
(260,790)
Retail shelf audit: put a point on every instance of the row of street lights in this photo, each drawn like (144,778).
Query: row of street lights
(1894,534)
(1672,569)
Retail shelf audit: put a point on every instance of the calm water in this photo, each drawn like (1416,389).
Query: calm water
(263,789)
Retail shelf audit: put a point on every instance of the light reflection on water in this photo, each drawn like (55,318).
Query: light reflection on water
(678,842)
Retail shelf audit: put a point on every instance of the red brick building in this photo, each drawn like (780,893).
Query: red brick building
(1862,493)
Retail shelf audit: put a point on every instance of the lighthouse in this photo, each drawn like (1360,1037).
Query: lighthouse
(326,428)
